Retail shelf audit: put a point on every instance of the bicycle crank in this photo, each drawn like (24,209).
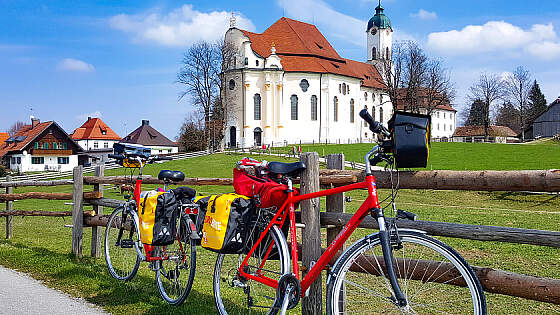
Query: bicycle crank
(288,291)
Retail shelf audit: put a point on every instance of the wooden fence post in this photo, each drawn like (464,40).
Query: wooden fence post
(96,231)
(336,204)
(9,207)
(311,236)
(77,210)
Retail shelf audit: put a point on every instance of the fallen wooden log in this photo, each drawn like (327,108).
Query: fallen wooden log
(47,195)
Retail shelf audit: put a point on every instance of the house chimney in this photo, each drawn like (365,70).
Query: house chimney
(89,118)
(145,122)
(34,122)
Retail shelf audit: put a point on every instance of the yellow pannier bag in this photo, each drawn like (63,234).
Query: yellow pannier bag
(226,224)
(157,213)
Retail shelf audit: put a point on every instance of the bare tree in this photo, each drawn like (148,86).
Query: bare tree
(489,88)
(438,88)
(391,71)
(15,127)
(518,88)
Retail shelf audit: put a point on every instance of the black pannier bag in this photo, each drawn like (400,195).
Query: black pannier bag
(411,139)
(165,220)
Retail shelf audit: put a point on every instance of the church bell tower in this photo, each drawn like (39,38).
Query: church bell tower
(379,36)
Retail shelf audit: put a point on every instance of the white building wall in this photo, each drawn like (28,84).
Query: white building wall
(88,145)
(50,163)
(163,150)
(443,123)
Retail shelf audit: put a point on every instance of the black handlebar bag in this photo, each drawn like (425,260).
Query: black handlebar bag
(411,139)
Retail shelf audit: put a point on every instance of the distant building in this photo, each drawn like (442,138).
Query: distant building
(97,139)
(40,147)
(547,124)
(497,134)
(3,137)
(147,136)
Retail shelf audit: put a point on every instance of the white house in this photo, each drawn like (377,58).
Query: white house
(40,147)
(147,136)
(97,140)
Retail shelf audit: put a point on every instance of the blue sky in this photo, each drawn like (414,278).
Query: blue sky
(66,60)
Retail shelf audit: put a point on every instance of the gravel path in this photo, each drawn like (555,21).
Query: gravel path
(21,294)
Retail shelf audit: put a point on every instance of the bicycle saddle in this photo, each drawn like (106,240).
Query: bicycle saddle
(290,169)
(175,176)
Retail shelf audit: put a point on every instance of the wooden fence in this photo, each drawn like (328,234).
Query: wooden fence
(497,281)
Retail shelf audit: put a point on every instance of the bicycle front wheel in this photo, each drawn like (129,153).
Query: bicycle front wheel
(235,294)
(175,273)
(121,239)
(434,278)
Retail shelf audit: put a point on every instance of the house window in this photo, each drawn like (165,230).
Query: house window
(257,106)
(438,125)
(64,160)
(55,145)
(257,62)
(304,85)
(365,96)
(246,61)
(352,110)
(381,114)
(294,107)
(18,160)
(95,145)
(64,146)
(340,88)
(374,53)
(231,84)
(387,53)
(444,127)
(36,145)
(45,145)
(37,160)
(437,114)
(343,88)
(103,132)
(444,116)
(13,159)
(106,145)
(314,107)
(335,107)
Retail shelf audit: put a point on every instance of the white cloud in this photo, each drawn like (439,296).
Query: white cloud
(498,36)
(424,15)
(84,116)
(180,27)
(70,64)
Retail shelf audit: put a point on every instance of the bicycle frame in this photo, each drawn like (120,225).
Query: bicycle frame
(370,205)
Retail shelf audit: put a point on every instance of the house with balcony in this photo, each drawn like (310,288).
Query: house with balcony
(40,146)
(96,139)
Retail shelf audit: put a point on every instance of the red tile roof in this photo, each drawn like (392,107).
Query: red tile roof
(3,137)
(401,95)
(302,48)
(493,131)
(94,129)
(27,132)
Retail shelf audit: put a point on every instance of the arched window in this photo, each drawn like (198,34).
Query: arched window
(374,53)
(373,112)
(387,53)
(257,109)
(335,107)
(294,107)
(231,84)
(373,97)
(381,114)
(365,96)
(314,107)
(343,88)
(365,123)
(352,110)
(304,85)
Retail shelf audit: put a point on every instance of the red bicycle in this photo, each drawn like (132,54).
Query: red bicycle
(395,270)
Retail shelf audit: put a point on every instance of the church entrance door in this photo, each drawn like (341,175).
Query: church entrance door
(232,138)
(258,136)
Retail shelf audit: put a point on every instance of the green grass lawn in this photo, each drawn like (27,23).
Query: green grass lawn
(464,156)
(41,245)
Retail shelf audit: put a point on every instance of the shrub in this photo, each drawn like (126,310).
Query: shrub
(3,171)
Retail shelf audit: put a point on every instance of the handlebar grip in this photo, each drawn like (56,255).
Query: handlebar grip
(116,156)
(366,116)
(374,126)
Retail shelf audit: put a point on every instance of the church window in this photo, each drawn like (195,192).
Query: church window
(365,96)
(257,102)
(348,89)
(246,61)
(387,54)
(294,107)
(444,115)
(343,88)
(374,53)
(444,127)
(381,114)
(340,88)
(314,107)
(372,113)
(304,85)
(335,107)
(437,114)
(352,110)
(231,84)
(373,97)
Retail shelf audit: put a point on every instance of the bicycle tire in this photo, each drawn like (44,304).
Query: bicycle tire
(121,258)
(423,265)
(232,294)
(173,288)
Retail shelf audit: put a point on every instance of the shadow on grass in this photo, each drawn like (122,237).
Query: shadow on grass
(534,200)
(88,277)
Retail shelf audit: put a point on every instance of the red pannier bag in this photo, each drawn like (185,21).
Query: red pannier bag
(267,192)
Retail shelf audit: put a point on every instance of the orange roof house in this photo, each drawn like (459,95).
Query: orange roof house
(3,137)
(95,129)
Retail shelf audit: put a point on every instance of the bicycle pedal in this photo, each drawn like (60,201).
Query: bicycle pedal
(127,243)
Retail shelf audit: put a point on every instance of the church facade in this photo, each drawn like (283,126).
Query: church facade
(289,85)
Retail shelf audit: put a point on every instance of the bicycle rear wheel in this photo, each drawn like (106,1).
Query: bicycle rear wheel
(434,278)
(121,239)
(237,295)
(175,274)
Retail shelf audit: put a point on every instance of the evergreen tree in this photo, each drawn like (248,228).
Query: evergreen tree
(509,116)
(476,114)
(537,102)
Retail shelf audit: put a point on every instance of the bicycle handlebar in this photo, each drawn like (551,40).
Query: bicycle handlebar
(374,126)
(116,156)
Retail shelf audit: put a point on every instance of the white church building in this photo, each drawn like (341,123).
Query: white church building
(288,84)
